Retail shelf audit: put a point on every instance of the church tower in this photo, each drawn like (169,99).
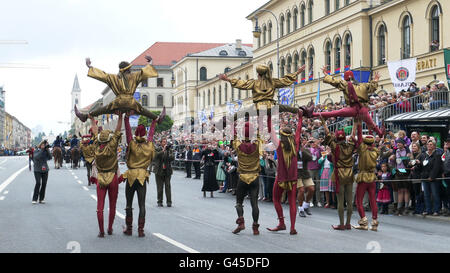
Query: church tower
(76,97)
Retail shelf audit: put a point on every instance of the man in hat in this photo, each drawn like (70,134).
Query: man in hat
(342,176)
(263,90)
(248,155)
(106,143)
(367,162)
(140,153)
(356,95)
(123,85)
(88,150)
(287,176)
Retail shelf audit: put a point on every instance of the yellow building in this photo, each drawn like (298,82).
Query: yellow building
(9,138)
(362,34)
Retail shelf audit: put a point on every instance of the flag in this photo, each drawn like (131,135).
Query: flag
(303,80)
(311,77)
(347,68)
(403,73)
(337,70)
(286,95)
(361,75)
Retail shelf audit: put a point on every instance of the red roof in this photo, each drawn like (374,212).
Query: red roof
(163,53)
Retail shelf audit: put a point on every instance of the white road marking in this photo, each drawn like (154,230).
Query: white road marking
(11,178)
(2,197)
(175,243)
(85,188)
(79,182)
(76,177)
(6,192)
(2,162)
(94,197)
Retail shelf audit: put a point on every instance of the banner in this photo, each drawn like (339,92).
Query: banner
(361,75)
(286,95)
(402,73)
(318,93)
(134,119)
(447,65)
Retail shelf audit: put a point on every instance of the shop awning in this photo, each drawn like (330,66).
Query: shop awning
(439,114)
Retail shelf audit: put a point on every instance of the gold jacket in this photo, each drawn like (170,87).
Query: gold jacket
(124,86)
(88,152)
(345,163)
(139,157)
(367,163)
(248,164)
(362,90)
(106,159)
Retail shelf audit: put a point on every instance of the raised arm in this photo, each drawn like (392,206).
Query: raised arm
(151,132)
(128,129)
(94,126)
(119,122)
(289,79)
(298,132)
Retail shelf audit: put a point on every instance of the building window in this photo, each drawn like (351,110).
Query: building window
(282,66)
(204,99)
(406,37)
(302,15)
(227,69)
(270,32)
(264,35)
(220,94)
(295,19)
(209,97)
(381,45)
(328,56)
(242,53)
(303,62)
(337,54)
(296,62)
(160,101)
(434,29)
(223,53)
(289,64)
(144,83)
(214,96)
(327,7)
(310,11)
(271,69)
(346,2)
(347,49)
(144,100)
(226,92)
(159,82)
(203,74)
(281,26)
(311,62)
(337,4)
(288,23)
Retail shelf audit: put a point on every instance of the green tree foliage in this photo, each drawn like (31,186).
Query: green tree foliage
(164,126)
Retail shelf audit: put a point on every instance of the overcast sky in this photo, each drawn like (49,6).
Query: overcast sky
(60,34)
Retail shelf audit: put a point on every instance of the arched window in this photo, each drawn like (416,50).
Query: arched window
(282,67)
(310,11)
(203,73)
(144,100)
(226,69)
(271,69)
(209,97)
(160,101)
(311,62)
(214,96)
(295,19)
(296,59)
(302,15)
(303,62)
(328,55)
(347,50)
(288,22)
(281,26)
(220,94)
(406,37)
(204,99)
(270,32)
(264,35)
(337,4)
(346,2)
(434,28)
(327,7)
(289,65)
(337,54)
(381,45)
(226,92)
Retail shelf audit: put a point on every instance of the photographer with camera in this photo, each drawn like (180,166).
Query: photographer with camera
(40,158)
(163,171)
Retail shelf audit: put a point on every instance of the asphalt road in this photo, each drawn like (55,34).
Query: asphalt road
(67,222)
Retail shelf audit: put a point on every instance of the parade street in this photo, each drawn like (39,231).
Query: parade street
(67,222)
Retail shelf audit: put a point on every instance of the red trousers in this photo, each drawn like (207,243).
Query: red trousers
(361,189)
(352,111)
(292,197)
(112,189)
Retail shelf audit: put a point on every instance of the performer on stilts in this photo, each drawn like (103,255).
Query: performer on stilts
(106,143)
(367,163)
(123,85)
(248,154)
(286,179)
(263,90)
(356,95)
(88,150)
(342,176)
(140,153)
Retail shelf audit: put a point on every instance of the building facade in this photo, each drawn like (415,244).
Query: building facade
(17,135)
(2,117)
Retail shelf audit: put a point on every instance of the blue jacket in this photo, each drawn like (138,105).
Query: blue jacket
(74,142)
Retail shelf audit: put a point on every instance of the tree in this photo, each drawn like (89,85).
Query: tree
(164,126)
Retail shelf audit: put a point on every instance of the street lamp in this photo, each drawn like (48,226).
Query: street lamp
(257,34)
